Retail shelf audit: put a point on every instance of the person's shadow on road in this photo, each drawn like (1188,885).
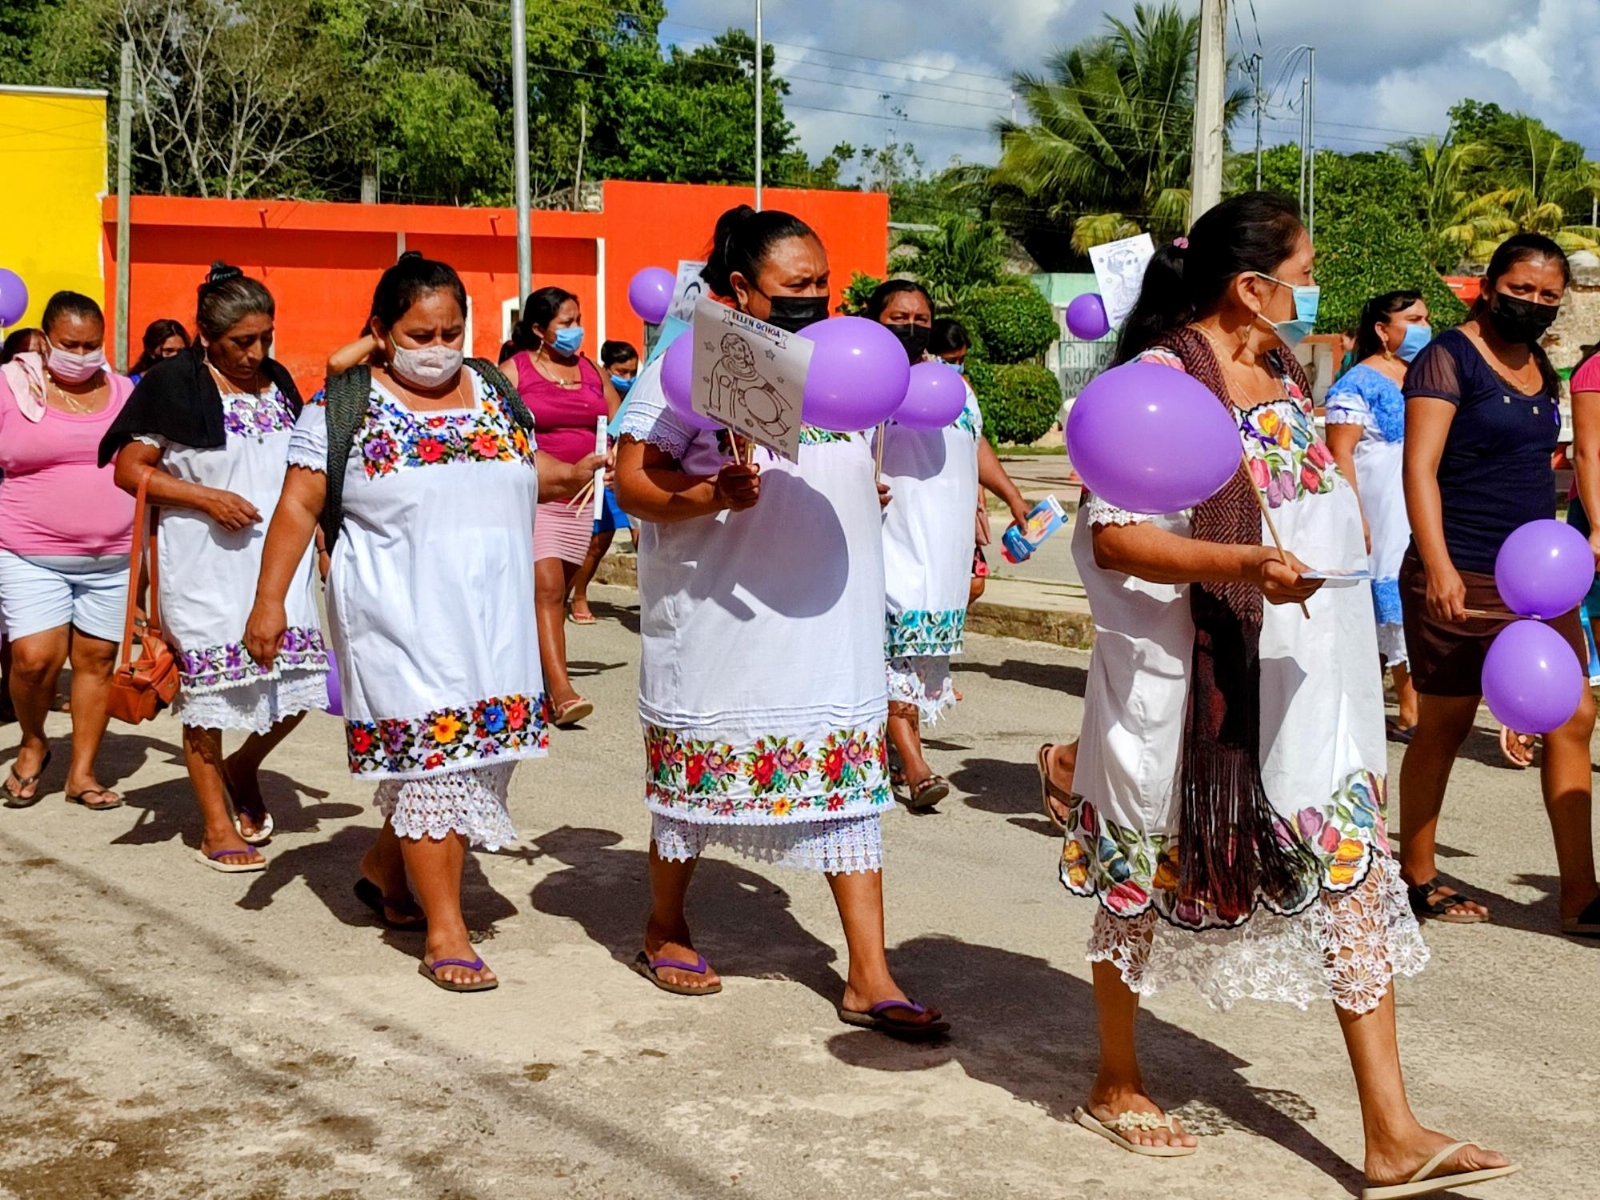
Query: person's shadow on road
(1021,1024)
(741,920)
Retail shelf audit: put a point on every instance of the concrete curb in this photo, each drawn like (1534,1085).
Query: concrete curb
(1074,630)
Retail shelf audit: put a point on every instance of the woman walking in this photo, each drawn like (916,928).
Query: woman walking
(621,362)
(423,479)
(64,534)
(162,339)
(206,433)
(1366,432)
(567,396)
(763,709)
(1230,811)
(928,545)
(1482,421)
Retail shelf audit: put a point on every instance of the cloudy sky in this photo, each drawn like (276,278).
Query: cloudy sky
(1386,68)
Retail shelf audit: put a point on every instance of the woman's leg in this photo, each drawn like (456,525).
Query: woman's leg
(1405,695)
(859,896)
(599,545)
(551,578)
(435,870)
(1443,723)
(1397,1144)
(243,768)
(202,753)
(36,662)
(666,933)
(8,710)
(905,733)
(1118,1084)
(93,660)
(1567,780)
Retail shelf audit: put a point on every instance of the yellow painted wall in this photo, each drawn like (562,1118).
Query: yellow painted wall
(53,167)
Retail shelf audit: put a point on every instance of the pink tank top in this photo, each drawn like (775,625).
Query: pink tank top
(563,418)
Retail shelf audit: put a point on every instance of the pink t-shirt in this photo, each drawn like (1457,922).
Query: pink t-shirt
(563,418)
(1587,377)
(55,499)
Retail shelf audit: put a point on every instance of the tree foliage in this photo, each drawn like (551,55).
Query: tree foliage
(1022,405)
(1015,322)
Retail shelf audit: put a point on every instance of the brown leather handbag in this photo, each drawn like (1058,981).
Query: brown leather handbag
(141,687)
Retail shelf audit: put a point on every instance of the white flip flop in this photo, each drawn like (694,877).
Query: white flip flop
(218,862)
(1112,1131)
(257,838)
(1426,1183)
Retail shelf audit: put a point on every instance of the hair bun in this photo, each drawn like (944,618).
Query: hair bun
(408,254)
(221,271)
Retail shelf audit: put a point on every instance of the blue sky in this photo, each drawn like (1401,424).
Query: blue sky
(1386,68)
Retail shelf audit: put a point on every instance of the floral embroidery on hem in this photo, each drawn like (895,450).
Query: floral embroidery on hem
(479,732)
(917,632)
(216,667)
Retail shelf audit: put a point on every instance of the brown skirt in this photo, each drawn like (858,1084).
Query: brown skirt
(1447,659)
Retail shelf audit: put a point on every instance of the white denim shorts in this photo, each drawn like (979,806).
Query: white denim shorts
(86,591)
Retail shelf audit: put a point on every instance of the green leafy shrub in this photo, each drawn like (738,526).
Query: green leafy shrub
(1015,321)
(1020,401)
(854,301)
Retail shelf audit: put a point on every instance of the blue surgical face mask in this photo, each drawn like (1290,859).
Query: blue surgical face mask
(622,383)
(960,368)
(569,340)
(1307,299)
(1417,336)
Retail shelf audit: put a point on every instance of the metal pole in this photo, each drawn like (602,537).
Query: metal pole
(1255,60)
(1304,84)
(124,181)
(760,88)
(1311,143)
(519,119)
(1210,96)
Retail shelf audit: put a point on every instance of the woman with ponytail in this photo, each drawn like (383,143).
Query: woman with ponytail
(1229,815)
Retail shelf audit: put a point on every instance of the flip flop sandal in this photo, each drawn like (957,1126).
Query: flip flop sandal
(1586,923)
(573,711)
(83,799)
(13,800)
(1525,740)
(1428,904)
(1048,788)
(587,618)
(929,792)
(1397,732)
(1425,1182)
(264,826)
(1113,1130)
(875,1019)
(371,895)
(647,966)
(426,970)
(216,863)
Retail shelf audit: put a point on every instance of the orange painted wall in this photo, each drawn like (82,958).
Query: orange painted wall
(323,260)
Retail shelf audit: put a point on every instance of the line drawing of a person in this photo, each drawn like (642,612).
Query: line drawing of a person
(738,389)
(1125,266)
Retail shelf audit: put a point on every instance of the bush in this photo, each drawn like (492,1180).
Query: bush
(1020,401)
(854,302)
(1015,321)
(1358,258)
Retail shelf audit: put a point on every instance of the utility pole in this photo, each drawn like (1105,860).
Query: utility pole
(519,142)
(124,179)
(1255,70)
(1305,136)
(761,70)
(1210,95)
(1311,145)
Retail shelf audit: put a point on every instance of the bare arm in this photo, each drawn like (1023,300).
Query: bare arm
(1586,459)
(1161,556)
(653,487)
(1428,421)
(1342,440)
(356,353)
(166,490)
(559,480)
(293,524)
(993,476)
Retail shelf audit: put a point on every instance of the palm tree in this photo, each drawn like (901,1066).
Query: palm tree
(1107,148)
(955,257)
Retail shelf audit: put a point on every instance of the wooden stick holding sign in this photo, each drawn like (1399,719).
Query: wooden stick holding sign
(1266,514)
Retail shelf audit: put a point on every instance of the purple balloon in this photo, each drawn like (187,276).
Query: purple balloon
(1544,569)
(1531,678)
(934,399)
(1151,439)
(650,294)
(1086,317)
(335,691)
(858,378)
(677,381)
(13,297)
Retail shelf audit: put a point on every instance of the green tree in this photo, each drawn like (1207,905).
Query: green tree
(955,257)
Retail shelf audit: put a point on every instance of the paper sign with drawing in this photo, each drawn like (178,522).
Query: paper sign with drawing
(750,376)
(1119,270)
(687,289)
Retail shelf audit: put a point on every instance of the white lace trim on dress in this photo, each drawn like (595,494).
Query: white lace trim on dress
(1343,416)
(1098,512)
(1392,645)
(1347,947)
(255,707)
(470,802)
(840,847)
(923,680)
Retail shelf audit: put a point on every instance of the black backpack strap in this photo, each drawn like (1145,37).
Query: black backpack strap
(348,398)
(505,391)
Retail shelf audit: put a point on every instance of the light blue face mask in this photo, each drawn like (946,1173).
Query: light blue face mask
(622,383)
(960,368)
(1417,336)
(1307,299)
(569,340)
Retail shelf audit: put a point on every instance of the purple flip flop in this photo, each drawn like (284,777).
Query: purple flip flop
(647,966)
(877,1020)
(426,970)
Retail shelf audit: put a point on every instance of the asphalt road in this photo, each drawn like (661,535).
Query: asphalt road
(170,1032)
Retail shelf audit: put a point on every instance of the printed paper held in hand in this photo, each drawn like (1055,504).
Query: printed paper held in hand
(687,289)
(750,376)
(1119,270)
(600,424)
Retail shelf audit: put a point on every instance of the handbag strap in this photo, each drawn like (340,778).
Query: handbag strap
(141,549)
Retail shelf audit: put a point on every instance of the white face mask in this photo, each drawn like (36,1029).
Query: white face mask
(425,366)
(74,368)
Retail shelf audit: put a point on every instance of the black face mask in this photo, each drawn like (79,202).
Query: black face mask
(1519,320)
(794,313)
(913,337)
